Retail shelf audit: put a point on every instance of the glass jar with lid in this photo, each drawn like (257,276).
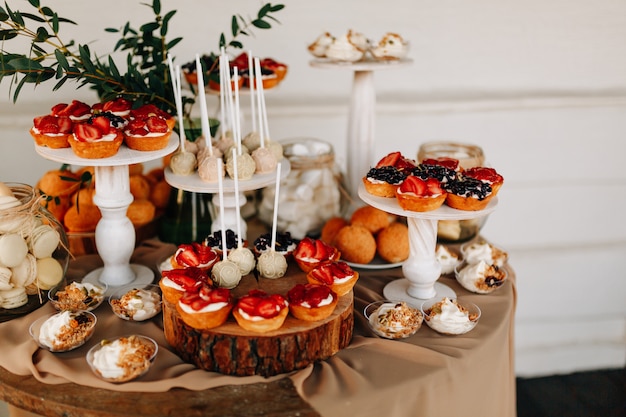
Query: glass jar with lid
(34,251)
(468,155)
(312,193)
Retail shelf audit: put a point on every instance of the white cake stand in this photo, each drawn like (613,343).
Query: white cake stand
(195,184)
(115,234)
(362,112)
(421,270)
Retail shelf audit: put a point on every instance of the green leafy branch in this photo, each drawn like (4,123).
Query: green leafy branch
(241,26)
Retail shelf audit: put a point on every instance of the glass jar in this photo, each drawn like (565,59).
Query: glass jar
(468,155)
(34,252)
(312,193)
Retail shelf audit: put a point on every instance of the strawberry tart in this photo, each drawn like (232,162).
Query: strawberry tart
(388,174)
(98,137)
(175,282)
(337,275)
(312,252)
(52,131)
(149,133)
(77,111)
(119,107)
(259,311)
(206,307)
(311,302)
(416,194)
(194,255)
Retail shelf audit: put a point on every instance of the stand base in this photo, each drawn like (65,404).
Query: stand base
(397,291)
(143,276)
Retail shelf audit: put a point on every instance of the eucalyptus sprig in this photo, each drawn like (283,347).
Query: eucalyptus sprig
(146,78)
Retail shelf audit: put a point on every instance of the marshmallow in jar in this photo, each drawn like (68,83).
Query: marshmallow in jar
(33,251)
(311,193)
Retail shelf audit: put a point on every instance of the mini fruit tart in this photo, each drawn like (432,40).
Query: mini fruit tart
(77,111)
(98,137)
(466,193)
(205,307)
(147,134)
(311,302)
(488,175)
(312,252)
(175,282)
(337,275)
(416,194)
(147,110)
(261,312)
(52,131)
(194,255)
(119,107)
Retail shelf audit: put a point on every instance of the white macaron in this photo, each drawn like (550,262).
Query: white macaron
(43,241)
(13,250)
(25,273)
(49,273)
(13,298)
(5,279)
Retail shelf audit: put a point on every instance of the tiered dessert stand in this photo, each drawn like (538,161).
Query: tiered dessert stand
(115,234)
(421,270)
(194,183)
(362,112)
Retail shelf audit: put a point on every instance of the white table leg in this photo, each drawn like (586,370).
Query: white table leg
(361,128)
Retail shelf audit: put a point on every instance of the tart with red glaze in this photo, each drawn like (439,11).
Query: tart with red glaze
(147,110)
(77,111)
(383,179)
(147,134)
(337,275)
(98,137)
(397,160)
(488,175)
(279,68)
(444,161)
(119,107)
(417,194)
(311,302)
(52,131)
(261,312)
(194,255)
(205,307)
(312,252)
(175,282)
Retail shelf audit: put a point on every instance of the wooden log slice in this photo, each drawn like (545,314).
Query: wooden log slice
(231,350)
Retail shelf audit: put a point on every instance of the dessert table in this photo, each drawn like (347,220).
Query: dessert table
(426,374)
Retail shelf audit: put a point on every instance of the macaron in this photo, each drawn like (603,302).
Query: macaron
(13,250)
(5,190)
(25,273)
(5,279)
(43,241)
(49,273)
(13,298)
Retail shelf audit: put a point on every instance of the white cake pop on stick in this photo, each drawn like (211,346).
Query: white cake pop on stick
(204,113)
(182,162)
(225,273)
(272,264)
(242,256)
(264,158)
(246,166)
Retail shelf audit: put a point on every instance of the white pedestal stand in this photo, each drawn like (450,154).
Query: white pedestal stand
(421,270)
(194,183)
(362,114)
(115,234)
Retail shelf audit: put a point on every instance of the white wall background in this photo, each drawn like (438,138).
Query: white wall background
(540,85)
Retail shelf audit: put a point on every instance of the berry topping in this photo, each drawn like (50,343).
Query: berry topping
(258,303)
(75,108)
(148,110)
(309,248)
(215,240)
(329,271)
(312,294)
(195,254)
(469,187)
(188,278)
(395,159)
(150,124)
(85,132)
(444,161)
(283,242)
(53,125)
(388,174)
(204,295)
(440,172)
(120,104)
(485,174)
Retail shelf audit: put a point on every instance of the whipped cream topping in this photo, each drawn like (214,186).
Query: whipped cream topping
(337,280)
(483,251)
(52,328)
(448,317)
(140,304)
(446,259)
(395,320)
(171,284)
(147,135)
(38,132)
(106,360)
(391,46)
(105,138)
(341,49)
(326,301)
(209,308)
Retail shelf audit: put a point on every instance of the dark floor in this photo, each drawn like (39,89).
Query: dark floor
(582,394)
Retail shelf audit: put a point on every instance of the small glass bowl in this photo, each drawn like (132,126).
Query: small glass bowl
(139,310)
(131,370)
(480,285)
(89,303)
(81,334)
(412,320)
(452,328)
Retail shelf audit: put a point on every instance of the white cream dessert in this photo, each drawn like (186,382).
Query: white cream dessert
(395,320)
(320,45)
(342,50)
(390,47)
(66,330)
(123,359)
(226,274)
(480,277)
(447,259)
(137,305)
(244,258)
(448,317)
(483,251)
(272,265)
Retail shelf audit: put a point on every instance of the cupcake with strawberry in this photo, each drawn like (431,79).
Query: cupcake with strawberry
(175,282)
(52,131)
(77,111)
(205,307)
(99,137)
(261,312)
(194,255)
(337,275)
(417,194)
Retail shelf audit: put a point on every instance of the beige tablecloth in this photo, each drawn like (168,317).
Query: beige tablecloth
(427,374)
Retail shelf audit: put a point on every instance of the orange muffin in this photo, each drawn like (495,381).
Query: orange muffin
(331,228)
(141,211)
(371,218)
(311,302)
(139,186)
(356,244)
(83,218)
